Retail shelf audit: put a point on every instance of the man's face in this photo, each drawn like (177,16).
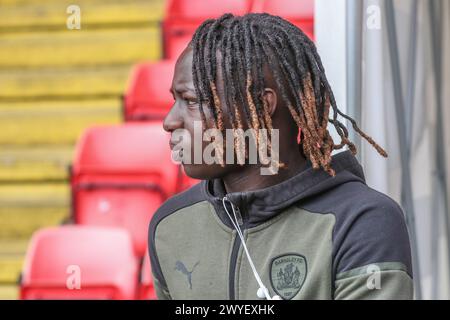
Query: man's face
(185,115)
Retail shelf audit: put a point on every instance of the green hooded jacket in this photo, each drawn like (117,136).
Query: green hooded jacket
(312,236)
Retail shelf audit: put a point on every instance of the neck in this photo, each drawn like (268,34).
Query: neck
(250,178)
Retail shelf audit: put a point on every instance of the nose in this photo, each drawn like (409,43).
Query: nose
(173,120)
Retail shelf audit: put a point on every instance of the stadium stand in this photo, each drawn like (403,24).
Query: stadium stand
(54,83)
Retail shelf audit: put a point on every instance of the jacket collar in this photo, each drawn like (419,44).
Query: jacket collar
(261,205)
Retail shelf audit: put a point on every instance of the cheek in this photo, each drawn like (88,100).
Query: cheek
(194,127)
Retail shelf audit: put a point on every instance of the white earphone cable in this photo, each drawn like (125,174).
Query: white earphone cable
(241,236)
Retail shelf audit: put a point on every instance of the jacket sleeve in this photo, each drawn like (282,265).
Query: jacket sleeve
(372,255)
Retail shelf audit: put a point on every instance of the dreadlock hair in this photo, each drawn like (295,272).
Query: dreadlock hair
(247,43)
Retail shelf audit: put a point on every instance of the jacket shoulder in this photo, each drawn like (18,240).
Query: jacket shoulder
(179,201)
(370,227)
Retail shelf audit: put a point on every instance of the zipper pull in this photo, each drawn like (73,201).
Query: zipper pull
(235,210)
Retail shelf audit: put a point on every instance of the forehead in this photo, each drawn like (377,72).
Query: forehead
(182,78)
(183,70)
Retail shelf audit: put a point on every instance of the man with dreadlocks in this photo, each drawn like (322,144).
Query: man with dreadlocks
(312,230)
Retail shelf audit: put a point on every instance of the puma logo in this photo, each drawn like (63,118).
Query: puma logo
(179,266)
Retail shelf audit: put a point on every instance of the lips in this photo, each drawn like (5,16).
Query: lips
(177,151)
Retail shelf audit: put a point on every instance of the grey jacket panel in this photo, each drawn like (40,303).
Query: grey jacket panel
(177,202)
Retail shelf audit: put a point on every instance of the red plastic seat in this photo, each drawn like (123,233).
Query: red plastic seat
(80,262)
(148,96)
(121,175)
(298,12)
(146,288)
(174,46)
(182,17)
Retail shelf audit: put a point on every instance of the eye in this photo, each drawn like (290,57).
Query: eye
(191,102)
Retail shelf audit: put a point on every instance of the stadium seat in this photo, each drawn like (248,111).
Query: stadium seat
(121,175)
(182,17)
(298,12)
(147,96)
(80,262)
(146,288)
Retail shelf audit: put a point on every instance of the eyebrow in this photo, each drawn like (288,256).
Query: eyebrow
(181,89)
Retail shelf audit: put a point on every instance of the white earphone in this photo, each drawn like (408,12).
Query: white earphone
(262,292)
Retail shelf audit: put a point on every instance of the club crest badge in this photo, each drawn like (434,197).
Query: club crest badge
(287,274)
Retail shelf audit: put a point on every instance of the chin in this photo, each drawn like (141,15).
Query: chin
(204,171)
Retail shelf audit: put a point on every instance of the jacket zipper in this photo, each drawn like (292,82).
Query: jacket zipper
(234,253)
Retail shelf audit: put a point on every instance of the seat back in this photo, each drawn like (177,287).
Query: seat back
(147,96)
(79,262)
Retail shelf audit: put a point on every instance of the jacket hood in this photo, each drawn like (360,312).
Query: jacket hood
(263,204)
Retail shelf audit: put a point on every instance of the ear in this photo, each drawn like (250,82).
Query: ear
(270,96)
